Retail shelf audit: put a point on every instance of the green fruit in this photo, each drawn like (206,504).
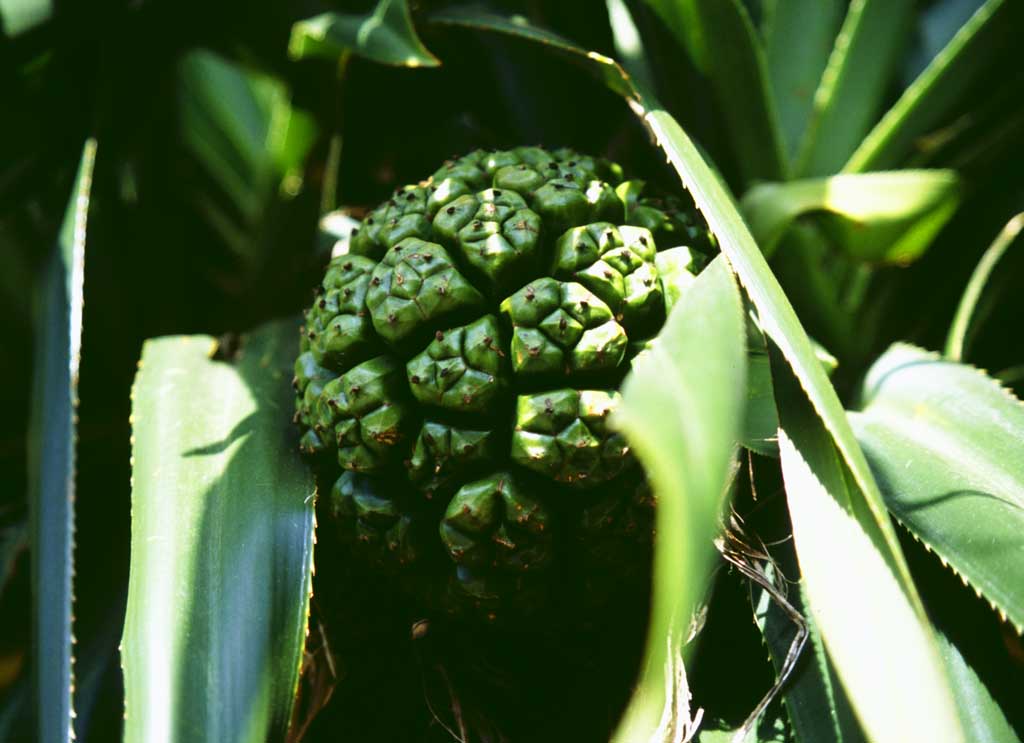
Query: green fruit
(459,371)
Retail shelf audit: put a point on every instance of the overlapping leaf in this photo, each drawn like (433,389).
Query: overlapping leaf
(944,441)
(923,105)
(856,597)
(737,70)
(853,84)
(222,542)
(682,409)
(798,37)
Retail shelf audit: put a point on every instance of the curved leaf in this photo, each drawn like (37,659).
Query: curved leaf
(853,84)
(954,70)
(735,63)
(222,542)
(944,441)
(386,36)
(878,217)
(681,410)
(51,466)
(963,326)
(884,650)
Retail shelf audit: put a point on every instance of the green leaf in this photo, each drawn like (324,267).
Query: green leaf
(736,67)
(798,39)
(386,36)
(963,63)
(819,711)
(877,217)
(51,460)
(628,44)
(965,322)
(761,422)
(852,87)
(681,411)
(222,542)
(980,714)
(944,441)
(899,689)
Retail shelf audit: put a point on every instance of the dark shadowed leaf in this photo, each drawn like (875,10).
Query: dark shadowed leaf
(962,63)
(736,67)
(51,467)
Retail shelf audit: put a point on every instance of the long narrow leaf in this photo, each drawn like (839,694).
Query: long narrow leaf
(681,411)
(877,217)
(818,707)
(965,321)
(222,542)
(944,441)
(736,66)
(884,649)
(798,39)
(923,105)
(51,466)
(982,718)
(853,84)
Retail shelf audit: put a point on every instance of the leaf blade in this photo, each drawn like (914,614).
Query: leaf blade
(686,443)
(852,86)
(888,217)
(385,35)
(944,441)
(51,467)
(858,601)
(222,528)
(739,75)
(932,95)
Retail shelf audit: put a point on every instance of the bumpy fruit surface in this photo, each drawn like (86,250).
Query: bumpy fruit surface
(460,365)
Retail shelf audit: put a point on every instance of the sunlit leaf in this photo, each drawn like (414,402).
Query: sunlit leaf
(51,466)
(386,35)
(681,412)
(222,542)
(944,441)
(899,690)
(878,217)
